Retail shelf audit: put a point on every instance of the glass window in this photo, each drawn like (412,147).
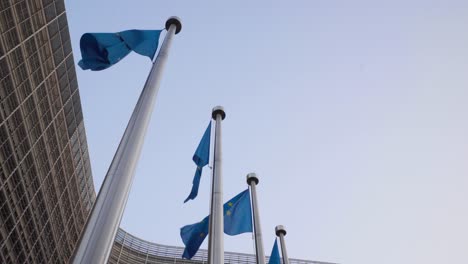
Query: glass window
(4,5)
(49,12)
(53,29)
(65,91)
(37,20)
(6,86)
(33,62)
(65,34)
(61,70)
(58,57)
(62,20)
(67,48)
(55,42)
(60,6)
(6,19)
(20,74)
(34,5)
(37,77)
(9,104)
(15,58)
(4,70)
(11,39)
(30,47)
(42,37)
(2,50)
(21,11)
(25,29)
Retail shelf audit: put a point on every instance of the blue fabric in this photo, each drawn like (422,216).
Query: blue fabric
(201,158)
(275,256)
(238,214)
(193,236)
(99,51)
(237,220)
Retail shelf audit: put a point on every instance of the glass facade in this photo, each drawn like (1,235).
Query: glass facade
(129,249)
(46,186)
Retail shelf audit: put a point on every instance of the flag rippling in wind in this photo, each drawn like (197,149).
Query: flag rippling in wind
(238,214)
(275,256)
(201,159)
(99,51)
(237,220)
(193,236)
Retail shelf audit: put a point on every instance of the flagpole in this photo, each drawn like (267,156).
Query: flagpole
(252,181)
(281,232)
(102,224)
(216,231)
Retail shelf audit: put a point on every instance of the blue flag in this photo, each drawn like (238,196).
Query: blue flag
(237,220)
(99,51)
(201,158)
(275,256)
(193,236)
(238,214)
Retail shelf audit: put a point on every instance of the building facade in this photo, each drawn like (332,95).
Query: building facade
(129,249)
(46,186)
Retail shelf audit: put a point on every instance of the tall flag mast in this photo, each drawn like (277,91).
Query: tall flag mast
(216,224)
(252,181)
(102,225)
(281,232)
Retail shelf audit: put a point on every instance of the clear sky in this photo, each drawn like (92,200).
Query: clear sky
(353,114)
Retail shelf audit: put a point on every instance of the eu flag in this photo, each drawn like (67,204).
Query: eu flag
(99,51)
(275,257)
(201,158)
(237,220)
(238,214)
(193,236)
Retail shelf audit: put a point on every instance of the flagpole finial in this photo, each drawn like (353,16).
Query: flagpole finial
(252,177)
(280,230)
(218,110)
(174,20)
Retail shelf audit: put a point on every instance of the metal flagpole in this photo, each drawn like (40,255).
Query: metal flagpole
(216,232)
(252,181)
(281,232)
(100,230)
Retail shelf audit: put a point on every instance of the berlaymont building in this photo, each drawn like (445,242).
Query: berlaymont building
(46,184)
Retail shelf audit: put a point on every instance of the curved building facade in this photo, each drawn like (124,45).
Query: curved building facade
(129,249)
(46,186)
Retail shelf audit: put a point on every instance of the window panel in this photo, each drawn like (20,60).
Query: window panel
(11,39)
(6,20)
(26,29)
(49,12)
(21,11)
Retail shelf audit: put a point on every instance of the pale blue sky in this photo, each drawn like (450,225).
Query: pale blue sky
(353,114)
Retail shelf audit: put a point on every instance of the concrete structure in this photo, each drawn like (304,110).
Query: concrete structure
(46,187)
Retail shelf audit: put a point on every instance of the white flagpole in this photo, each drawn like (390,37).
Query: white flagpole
(101,227)
(216,231)
(281,232)
(252,181)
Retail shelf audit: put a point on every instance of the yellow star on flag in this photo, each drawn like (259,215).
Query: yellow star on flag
(228,212)
(230,204)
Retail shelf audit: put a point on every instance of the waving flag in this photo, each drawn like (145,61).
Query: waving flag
(193,236)
(99,51)
(201,158)
(237,220)
(275,256)
(238,214)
